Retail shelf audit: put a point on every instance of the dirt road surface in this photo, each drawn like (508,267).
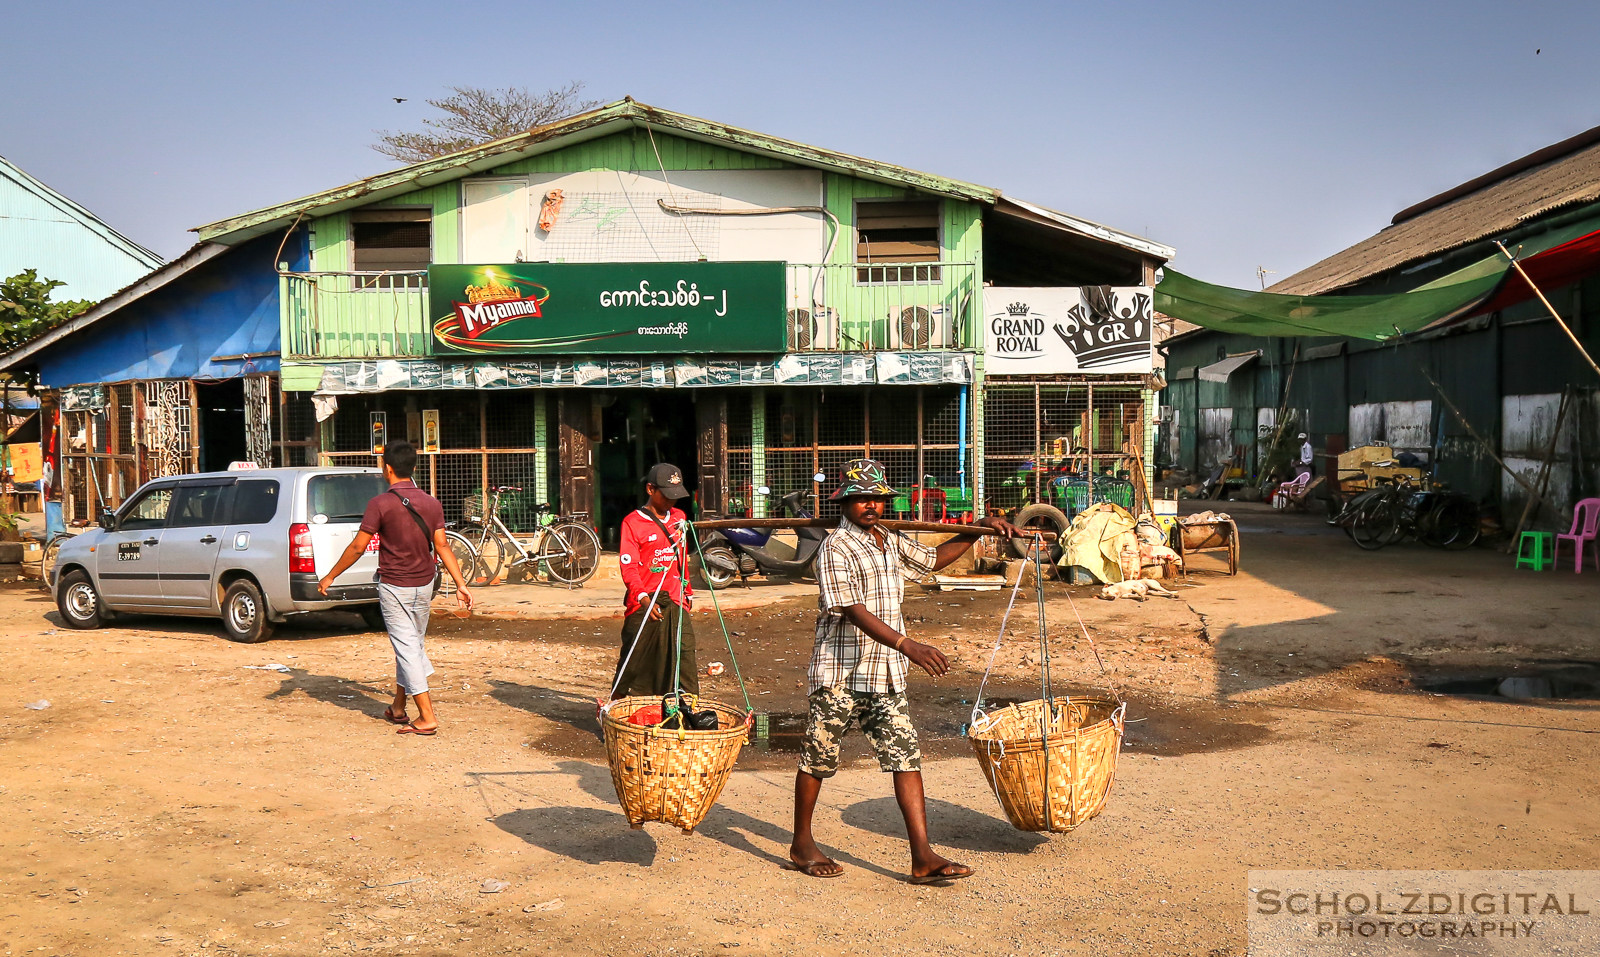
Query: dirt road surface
(177,798)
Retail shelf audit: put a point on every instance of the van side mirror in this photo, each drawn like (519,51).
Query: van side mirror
(108,520)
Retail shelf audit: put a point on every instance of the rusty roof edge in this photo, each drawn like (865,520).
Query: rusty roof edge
(808,155)
(1088,228)
(455,165)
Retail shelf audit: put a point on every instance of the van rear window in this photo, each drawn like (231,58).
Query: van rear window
(343,498)
(255,501)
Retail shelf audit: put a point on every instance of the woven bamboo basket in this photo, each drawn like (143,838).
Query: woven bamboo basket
(670,776)
(1054,783)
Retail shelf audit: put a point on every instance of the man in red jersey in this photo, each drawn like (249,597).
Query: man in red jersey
(654,555)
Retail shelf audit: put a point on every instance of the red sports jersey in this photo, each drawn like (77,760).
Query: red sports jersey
(647,557)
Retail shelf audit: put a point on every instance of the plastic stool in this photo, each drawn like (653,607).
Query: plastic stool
(1540,559)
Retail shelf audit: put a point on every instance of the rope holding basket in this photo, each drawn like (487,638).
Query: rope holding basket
(1049,761)
(668,775)
(672,775)
(1057,782)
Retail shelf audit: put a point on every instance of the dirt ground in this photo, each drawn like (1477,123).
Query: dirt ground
(175,798)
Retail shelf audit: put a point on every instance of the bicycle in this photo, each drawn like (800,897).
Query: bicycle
(1395,510)
(47,558)
(567,549)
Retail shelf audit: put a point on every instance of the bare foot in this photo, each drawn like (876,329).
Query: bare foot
(811,862)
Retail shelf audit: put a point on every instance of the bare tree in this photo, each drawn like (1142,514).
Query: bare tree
(473,115)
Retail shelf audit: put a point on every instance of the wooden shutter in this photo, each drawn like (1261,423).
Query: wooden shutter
(711,414)
(577,458)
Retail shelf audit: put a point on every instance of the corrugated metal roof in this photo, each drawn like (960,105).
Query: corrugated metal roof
(44,230)
(1523,194)
(1220,371)
(630,113)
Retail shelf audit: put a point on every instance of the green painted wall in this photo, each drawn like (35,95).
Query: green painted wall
(632,151)
(353,323)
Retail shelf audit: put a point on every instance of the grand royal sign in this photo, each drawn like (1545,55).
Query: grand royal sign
(601,308)
(1054,329)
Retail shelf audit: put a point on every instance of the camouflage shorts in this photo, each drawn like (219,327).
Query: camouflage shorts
(884,718)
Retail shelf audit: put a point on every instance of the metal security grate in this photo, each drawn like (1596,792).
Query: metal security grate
(1068,444)
(795,433)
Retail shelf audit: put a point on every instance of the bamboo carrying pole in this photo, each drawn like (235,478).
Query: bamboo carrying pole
(891,524)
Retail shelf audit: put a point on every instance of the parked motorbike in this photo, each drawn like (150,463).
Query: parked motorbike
(741,553)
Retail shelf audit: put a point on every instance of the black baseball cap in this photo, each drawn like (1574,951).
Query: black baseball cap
(667,478)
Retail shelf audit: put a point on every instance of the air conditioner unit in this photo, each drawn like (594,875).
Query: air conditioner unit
(916,327)
(802,329)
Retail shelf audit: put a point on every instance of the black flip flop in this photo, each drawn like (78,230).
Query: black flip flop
(413,729)
(940,878)
(809,869)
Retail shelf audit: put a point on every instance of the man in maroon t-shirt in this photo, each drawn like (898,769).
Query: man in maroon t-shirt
(409,524)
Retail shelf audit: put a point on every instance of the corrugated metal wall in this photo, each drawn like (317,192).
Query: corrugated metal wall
(1521,358)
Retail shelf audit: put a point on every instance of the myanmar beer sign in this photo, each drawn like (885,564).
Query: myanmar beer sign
(1052,329)
(597,308)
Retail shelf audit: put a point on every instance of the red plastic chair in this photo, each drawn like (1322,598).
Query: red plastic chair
(922,501)
(1586,514)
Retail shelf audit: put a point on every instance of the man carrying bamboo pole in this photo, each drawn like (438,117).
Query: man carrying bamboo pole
(858,665)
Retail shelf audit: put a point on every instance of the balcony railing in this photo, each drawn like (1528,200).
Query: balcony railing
(855,307)
(354,315)
(848,307)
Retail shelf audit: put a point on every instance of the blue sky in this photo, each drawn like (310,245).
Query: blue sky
(1242,134)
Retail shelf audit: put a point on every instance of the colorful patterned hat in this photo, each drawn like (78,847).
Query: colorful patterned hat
(863,477)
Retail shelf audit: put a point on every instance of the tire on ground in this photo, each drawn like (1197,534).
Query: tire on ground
(244,613)
(1045,517)
(372,617)
(78,601)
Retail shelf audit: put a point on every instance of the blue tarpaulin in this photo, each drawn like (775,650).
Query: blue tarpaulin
(217,321)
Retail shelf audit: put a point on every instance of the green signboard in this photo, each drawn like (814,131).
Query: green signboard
(599,308)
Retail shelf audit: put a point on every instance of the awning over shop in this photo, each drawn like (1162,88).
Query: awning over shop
(1552,259)
(1220,371)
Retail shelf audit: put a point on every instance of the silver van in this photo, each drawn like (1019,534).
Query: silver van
(246,546)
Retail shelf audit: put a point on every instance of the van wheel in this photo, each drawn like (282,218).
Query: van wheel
(244,613)
(372,616)
(79,602)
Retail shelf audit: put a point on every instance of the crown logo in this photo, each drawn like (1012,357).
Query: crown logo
(1018,309)
(1101,334)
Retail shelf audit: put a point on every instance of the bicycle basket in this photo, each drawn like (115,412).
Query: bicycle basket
(472,508)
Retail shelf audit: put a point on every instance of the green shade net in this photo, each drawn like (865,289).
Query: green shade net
(1358,317)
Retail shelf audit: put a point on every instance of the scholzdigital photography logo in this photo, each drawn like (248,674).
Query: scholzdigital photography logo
(1402,912)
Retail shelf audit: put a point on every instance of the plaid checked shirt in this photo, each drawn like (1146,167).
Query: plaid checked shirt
(853,570)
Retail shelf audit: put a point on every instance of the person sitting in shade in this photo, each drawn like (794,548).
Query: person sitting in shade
(653,555)
(858,665)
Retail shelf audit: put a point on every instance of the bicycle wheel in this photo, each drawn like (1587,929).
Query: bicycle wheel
(466,556)
(1377,525)
(1453,524)
(571,552)
(488,552)
(47,559)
